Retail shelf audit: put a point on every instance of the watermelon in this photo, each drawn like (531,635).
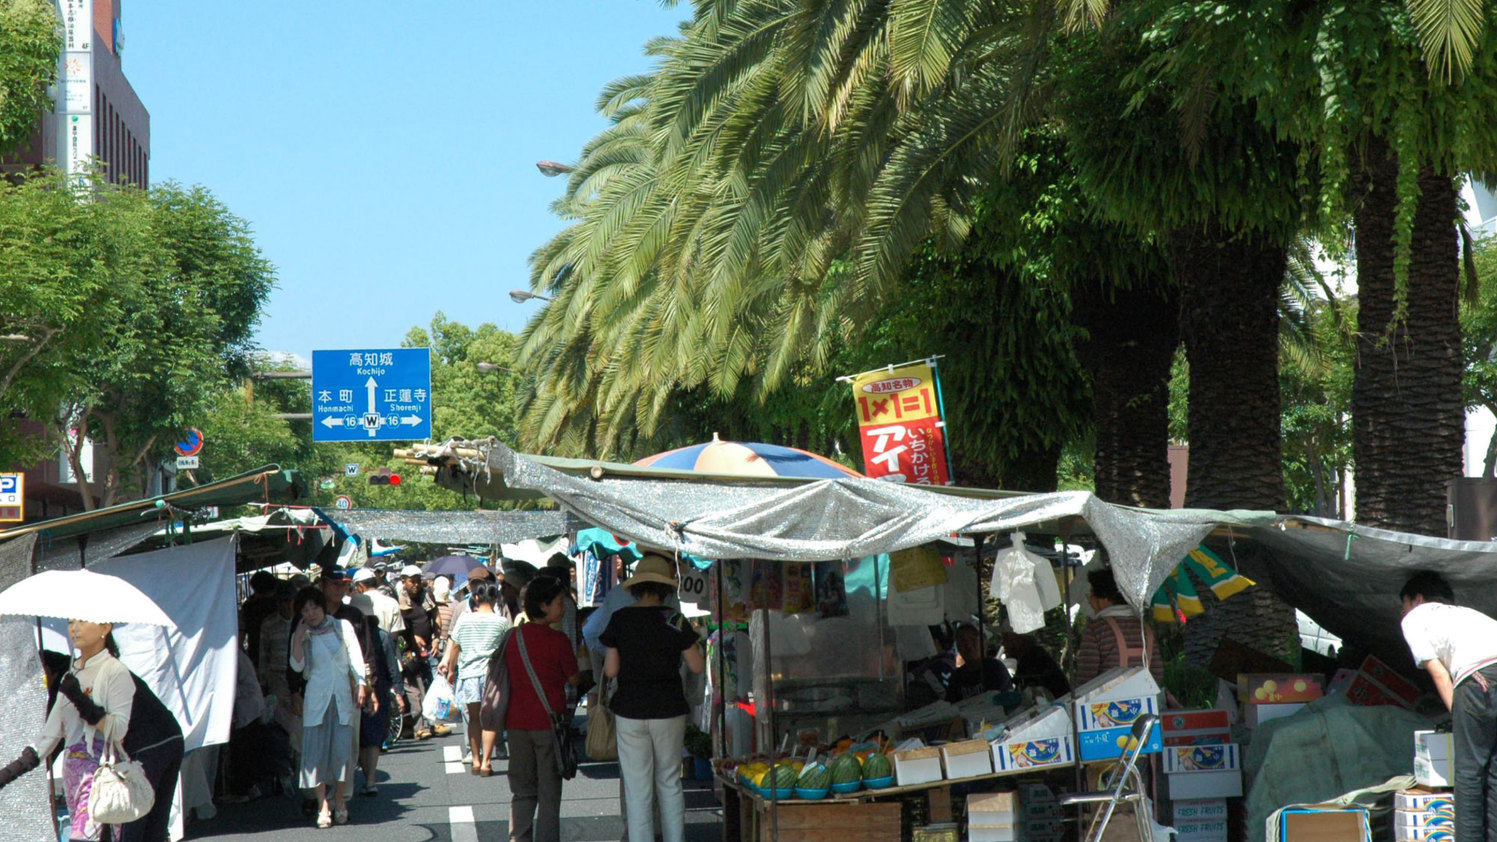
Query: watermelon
(784,776)
(877,766)
(814,776)
(845,768)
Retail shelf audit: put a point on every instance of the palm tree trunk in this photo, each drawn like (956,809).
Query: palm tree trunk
(1133,335)
(1408,419)
(1229,322)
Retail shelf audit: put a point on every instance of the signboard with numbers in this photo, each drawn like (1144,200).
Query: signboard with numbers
(380,395)
(12,497)
(899,421)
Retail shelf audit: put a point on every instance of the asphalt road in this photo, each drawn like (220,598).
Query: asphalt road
(424,794)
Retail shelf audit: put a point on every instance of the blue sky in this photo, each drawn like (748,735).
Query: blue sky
(384,152)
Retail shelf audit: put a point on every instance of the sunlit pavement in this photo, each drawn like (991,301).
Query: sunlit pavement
(426,793)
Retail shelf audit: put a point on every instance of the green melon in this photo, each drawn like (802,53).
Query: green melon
(784,776)
(814,776)
(876,766)
(845,768)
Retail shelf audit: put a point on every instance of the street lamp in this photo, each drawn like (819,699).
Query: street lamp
(520,296)
(551,169)
(490,368)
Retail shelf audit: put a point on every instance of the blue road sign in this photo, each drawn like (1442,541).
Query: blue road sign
(380,395)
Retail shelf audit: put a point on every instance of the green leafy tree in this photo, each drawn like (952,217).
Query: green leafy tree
(30,43)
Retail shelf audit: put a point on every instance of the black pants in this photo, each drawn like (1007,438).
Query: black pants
(1474,716)
(162,764)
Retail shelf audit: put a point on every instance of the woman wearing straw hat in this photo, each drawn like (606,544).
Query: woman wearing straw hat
(645,645)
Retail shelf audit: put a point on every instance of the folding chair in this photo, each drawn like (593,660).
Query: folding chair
(1123,785)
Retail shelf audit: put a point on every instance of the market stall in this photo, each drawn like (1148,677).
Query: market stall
(1345,577)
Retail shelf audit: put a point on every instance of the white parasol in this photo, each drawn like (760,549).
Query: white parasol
(81,595)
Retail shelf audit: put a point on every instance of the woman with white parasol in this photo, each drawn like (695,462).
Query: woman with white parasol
(101,702)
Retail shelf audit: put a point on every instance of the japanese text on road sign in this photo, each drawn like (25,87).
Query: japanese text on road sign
(380,395)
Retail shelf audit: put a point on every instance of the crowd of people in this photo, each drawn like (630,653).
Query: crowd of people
(344,663)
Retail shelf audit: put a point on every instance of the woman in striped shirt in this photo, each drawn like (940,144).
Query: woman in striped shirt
(473,641)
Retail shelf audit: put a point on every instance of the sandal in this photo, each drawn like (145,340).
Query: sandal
(340,815)
(484,772)
(324,819)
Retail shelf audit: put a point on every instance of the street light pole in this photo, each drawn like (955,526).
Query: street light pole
(520,296)
(551,169)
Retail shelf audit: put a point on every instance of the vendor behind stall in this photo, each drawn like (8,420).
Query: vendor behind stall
(1117,636)
(974,674)
(1458,647)
(1034,667)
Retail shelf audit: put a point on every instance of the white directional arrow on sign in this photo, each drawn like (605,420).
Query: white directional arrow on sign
(411,420)
(331,422)
(371,385)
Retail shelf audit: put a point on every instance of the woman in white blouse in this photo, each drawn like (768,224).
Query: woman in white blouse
(326,652)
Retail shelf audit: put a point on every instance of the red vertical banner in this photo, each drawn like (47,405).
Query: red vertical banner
(900,424)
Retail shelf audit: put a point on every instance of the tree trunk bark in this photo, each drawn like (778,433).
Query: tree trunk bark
(1133,335)
(1229,322)
(1408,418)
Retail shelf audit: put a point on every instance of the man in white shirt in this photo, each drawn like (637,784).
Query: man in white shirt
(1458,647)
(386,609)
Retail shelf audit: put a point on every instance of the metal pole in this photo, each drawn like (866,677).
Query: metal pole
(722,660)
(774,799)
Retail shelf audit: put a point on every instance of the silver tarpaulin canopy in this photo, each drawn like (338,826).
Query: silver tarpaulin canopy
(481,526)
(1346,577)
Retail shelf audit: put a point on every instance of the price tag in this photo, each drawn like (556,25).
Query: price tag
(693,586)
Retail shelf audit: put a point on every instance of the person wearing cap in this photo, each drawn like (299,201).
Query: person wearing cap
(441,593)
(645,644)
(383,608)
(418,609)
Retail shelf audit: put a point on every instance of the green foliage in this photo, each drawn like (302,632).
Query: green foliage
(1479,332)
(29,46)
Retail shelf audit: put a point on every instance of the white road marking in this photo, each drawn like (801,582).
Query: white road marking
(452,754)
(464,829)
(456,768)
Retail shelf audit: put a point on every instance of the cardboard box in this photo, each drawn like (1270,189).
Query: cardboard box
(1196,727)
(1279,688)
(1036,794)
(1402,833)
(917,766)
(991,833)
(1106,708)
(1037,738)
(1424,818)
(994,804)
(1203,771)
(941,832)
(1330,824)
(1200,810)
(967,758)
(1201,831)
(1258,714)
(1404,692)
(1420,800)
(1433,758)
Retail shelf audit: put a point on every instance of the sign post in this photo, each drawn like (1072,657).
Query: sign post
(12,497)
(381,395)
(900,424)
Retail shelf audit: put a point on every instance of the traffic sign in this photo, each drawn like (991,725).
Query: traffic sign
(351,469)
(381,395)
(12,497)
(344,502)
(191,444)
(187,463)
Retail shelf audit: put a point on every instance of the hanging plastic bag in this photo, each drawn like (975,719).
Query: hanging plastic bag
(1023,582)
(440,705)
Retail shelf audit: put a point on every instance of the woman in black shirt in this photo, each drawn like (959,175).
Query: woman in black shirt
(645,644)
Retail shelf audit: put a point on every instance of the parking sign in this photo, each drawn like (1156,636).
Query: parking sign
(12,497)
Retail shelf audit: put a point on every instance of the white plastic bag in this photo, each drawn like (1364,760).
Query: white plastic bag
(440,705)
(1025,584)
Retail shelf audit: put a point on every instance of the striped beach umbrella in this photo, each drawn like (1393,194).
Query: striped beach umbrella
(1179,591)
(748,459)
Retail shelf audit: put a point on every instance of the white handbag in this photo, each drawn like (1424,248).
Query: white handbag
(121,792)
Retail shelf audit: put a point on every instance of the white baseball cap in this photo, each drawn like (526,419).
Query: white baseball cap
(410,571)
(364,574)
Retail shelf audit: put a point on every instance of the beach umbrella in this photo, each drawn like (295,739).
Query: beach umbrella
(603,543)
(454,566)
(748,459)
(81,595)
(1180,590)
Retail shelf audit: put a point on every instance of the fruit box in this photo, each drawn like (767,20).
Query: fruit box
(1200,810)
(1272,688)
(1375,683)
(1434,763)
(1424,818)
(1328,824)
(1106,708)
(1405,833)
(1259,714)
(967,758)
(1420,800)
(1037,738)
(917,766)
(1196,727)
(1203,771)
(1201,831)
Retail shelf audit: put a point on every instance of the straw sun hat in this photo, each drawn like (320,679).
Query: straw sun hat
(653,568)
